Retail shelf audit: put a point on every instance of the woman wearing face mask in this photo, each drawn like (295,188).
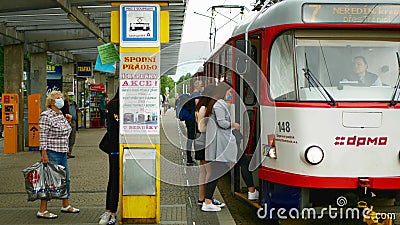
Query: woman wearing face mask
(54,134)
(221,149)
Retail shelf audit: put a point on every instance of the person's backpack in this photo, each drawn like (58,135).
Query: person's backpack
(185,107)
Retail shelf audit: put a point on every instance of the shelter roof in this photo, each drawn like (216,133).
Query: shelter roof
(71,30)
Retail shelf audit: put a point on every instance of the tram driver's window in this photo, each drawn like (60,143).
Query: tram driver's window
(281,72)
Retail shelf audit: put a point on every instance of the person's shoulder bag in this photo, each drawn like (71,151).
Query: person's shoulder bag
(105,144)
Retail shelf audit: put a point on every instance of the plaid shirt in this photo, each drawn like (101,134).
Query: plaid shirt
(54,131)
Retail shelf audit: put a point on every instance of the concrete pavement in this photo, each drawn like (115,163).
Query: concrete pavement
(89,176)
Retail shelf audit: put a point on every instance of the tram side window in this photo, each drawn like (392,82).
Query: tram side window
(281,72)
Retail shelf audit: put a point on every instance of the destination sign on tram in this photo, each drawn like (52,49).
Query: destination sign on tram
(351,13)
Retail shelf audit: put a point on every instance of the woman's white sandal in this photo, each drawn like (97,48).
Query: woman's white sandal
(46,215)
(69,209)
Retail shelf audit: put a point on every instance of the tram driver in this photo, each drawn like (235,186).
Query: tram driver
(361,75)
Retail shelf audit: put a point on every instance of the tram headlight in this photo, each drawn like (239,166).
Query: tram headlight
(314,155)
(270,151)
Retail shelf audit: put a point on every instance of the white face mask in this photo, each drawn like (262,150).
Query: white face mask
(59,103)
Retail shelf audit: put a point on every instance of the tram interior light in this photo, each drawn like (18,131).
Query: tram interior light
(314,155)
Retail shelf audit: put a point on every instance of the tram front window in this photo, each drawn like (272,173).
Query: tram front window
(350,69)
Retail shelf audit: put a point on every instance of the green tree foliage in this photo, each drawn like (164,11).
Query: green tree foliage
(184,78)
(166,81)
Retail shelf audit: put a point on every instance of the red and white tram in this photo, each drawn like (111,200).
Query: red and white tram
(322,128)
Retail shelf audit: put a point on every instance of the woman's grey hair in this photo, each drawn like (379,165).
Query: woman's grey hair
(52,97)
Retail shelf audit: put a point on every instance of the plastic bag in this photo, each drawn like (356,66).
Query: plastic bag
(34,182)
(45,181)
(56,181)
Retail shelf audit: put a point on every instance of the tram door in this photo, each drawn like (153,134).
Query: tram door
(248,74)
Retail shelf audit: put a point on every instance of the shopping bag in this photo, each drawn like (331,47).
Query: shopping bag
(34,182)
(55,181)
(45,181)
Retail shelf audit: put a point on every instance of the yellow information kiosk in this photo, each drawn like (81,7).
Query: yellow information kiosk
(139,29)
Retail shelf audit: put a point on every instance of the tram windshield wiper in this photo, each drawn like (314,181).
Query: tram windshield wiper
(396,87)
(314,82)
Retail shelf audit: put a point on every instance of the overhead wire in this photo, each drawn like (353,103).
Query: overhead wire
(213,25)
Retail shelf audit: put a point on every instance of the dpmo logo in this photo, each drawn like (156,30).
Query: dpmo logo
(360,141)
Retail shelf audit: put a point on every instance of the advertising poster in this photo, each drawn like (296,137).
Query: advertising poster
(139,90)
(54,78)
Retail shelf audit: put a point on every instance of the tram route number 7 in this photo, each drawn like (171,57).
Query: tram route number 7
(315,11)
(284,126)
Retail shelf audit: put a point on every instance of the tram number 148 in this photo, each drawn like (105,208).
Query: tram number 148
(284,126)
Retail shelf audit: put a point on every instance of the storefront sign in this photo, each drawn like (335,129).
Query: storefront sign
(139,90)
(84,69)
(96,87)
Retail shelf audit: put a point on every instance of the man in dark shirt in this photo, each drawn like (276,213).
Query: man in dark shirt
(191,128)
(70,107)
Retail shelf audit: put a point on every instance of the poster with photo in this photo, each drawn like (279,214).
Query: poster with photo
(139,90)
